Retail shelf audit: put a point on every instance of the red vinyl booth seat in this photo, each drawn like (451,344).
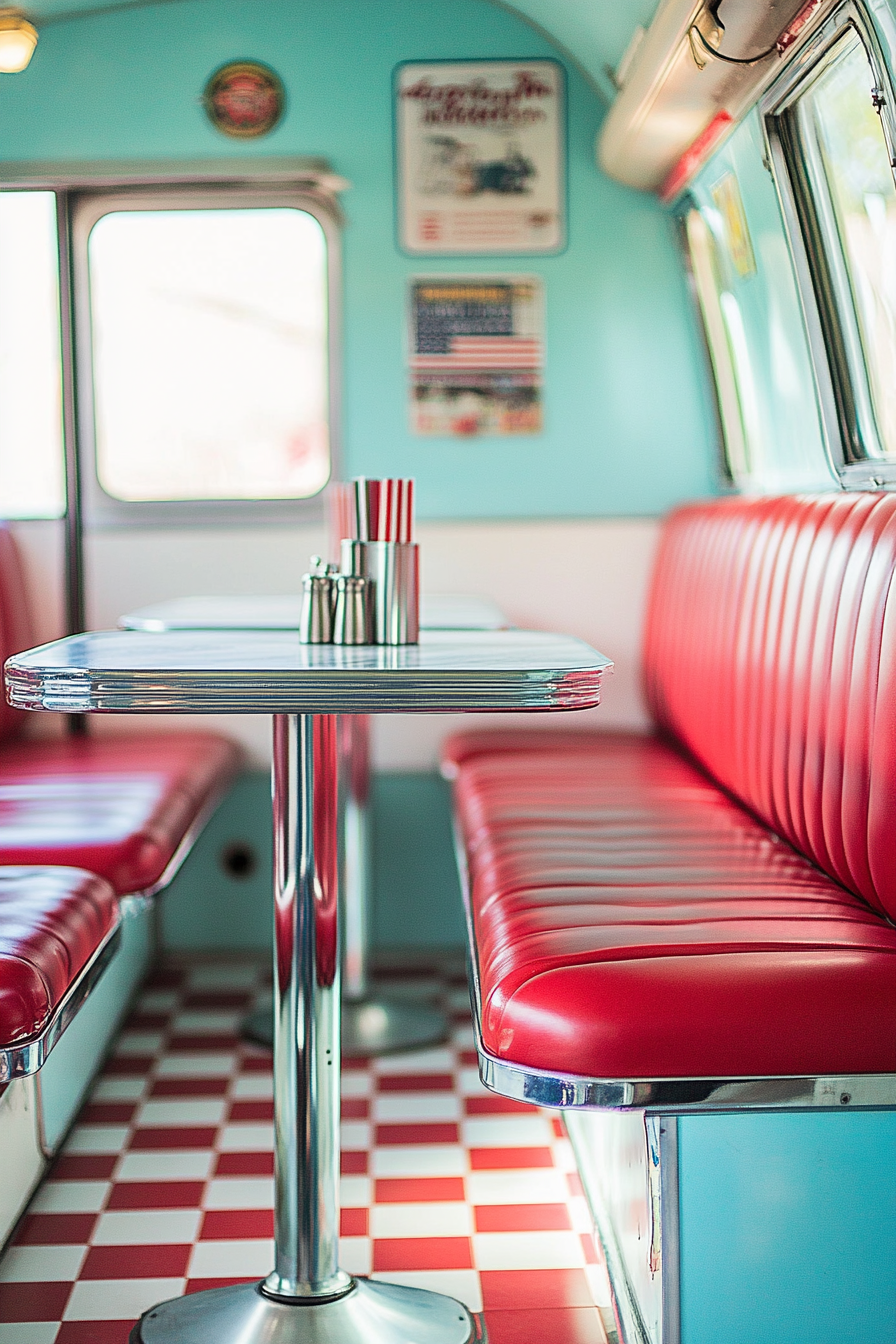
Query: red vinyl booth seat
(637,913)
(119,807)
(52,921)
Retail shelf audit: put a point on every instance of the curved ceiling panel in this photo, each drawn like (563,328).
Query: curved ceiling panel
(594,32)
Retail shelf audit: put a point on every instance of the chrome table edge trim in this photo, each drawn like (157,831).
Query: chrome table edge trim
(237,672)
(78,691)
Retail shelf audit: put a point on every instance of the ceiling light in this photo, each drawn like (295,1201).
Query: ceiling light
(18,38)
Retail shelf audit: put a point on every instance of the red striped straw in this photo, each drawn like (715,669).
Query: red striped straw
(373,510)
(388,509)
(409,511)
(340,515)
(399,512)
(362,522)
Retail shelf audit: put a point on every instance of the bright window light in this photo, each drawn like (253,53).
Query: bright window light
(31,458)
(210,353)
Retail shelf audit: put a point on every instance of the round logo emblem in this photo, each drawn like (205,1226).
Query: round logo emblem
(244,99)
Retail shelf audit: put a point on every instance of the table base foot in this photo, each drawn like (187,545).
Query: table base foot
(371,1026)
(371,1313)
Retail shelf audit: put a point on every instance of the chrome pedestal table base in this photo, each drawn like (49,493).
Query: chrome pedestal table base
(372,1026)
(369,1313)
(307,1298)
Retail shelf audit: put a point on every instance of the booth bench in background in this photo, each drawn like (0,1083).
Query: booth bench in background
(90,830)
(693,932)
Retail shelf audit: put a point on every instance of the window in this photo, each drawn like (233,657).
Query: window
(204,349)
(727,346)
(209,336)
(31,454)
(836,147)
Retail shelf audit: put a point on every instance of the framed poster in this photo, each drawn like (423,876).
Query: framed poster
(476,355)
(480,150)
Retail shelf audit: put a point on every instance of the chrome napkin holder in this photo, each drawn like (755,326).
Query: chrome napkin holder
(373,599)
(393,567)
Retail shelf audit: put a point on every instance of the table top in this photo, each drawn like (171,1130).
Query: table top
(438,611)
(264,672)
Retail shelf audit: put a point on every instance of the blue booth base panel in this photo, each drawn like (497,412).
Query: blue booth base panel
(787,1228)
(68,1073)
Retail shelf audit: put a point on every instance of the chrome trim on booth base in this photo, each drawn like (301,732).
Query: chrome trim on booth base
(260,672)
(629,1322)
(26,1057)
(666,1096)
(682,1096)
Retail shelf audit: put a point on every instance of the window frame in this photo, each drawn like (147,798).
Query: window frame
(718,360)
(848,420)
(86,206)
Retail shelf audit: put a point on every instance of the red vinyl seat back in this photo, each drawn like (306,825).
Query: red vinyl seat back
(16,631)
(770,655)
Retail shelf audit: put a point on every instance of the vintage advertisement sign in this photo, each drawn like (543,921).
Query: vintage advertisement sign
(480,156)
(476,355)
(244,99)
(729,203)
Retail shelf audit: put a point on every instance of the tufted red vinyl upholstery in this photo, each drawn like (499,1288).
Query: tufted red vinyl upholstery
(634,920)
(771,656)
(119,807)
(52,920)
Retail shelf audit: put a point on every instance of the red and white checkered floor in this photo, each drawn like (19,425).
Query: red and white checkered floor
(164,1186)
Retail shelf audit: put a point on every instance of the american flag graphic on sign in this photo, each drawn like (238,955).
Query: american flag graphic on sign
(476,356)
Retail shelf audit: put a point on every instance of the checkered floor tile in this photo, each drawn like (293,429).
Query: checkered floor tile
(165,1184)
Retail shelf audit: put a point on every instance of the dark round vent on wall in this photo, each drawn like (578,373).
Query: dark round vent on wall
(239,860)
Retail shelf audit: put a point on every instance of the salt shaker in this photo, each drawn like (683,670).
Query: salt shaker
(318,604)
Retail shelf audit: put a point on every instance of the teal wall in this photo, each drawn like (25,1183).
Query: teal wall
(416,900)
(416,892)
(207,907)
(628,426)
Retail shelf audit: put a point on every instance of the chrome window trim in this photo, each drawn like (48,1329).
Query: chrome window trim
(662,1096)
(726,477)
(86,206)
(847,414)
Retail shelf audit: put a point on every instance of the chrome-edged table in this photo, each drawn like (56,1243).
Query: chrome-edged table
(306,1297)
(372,1023)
